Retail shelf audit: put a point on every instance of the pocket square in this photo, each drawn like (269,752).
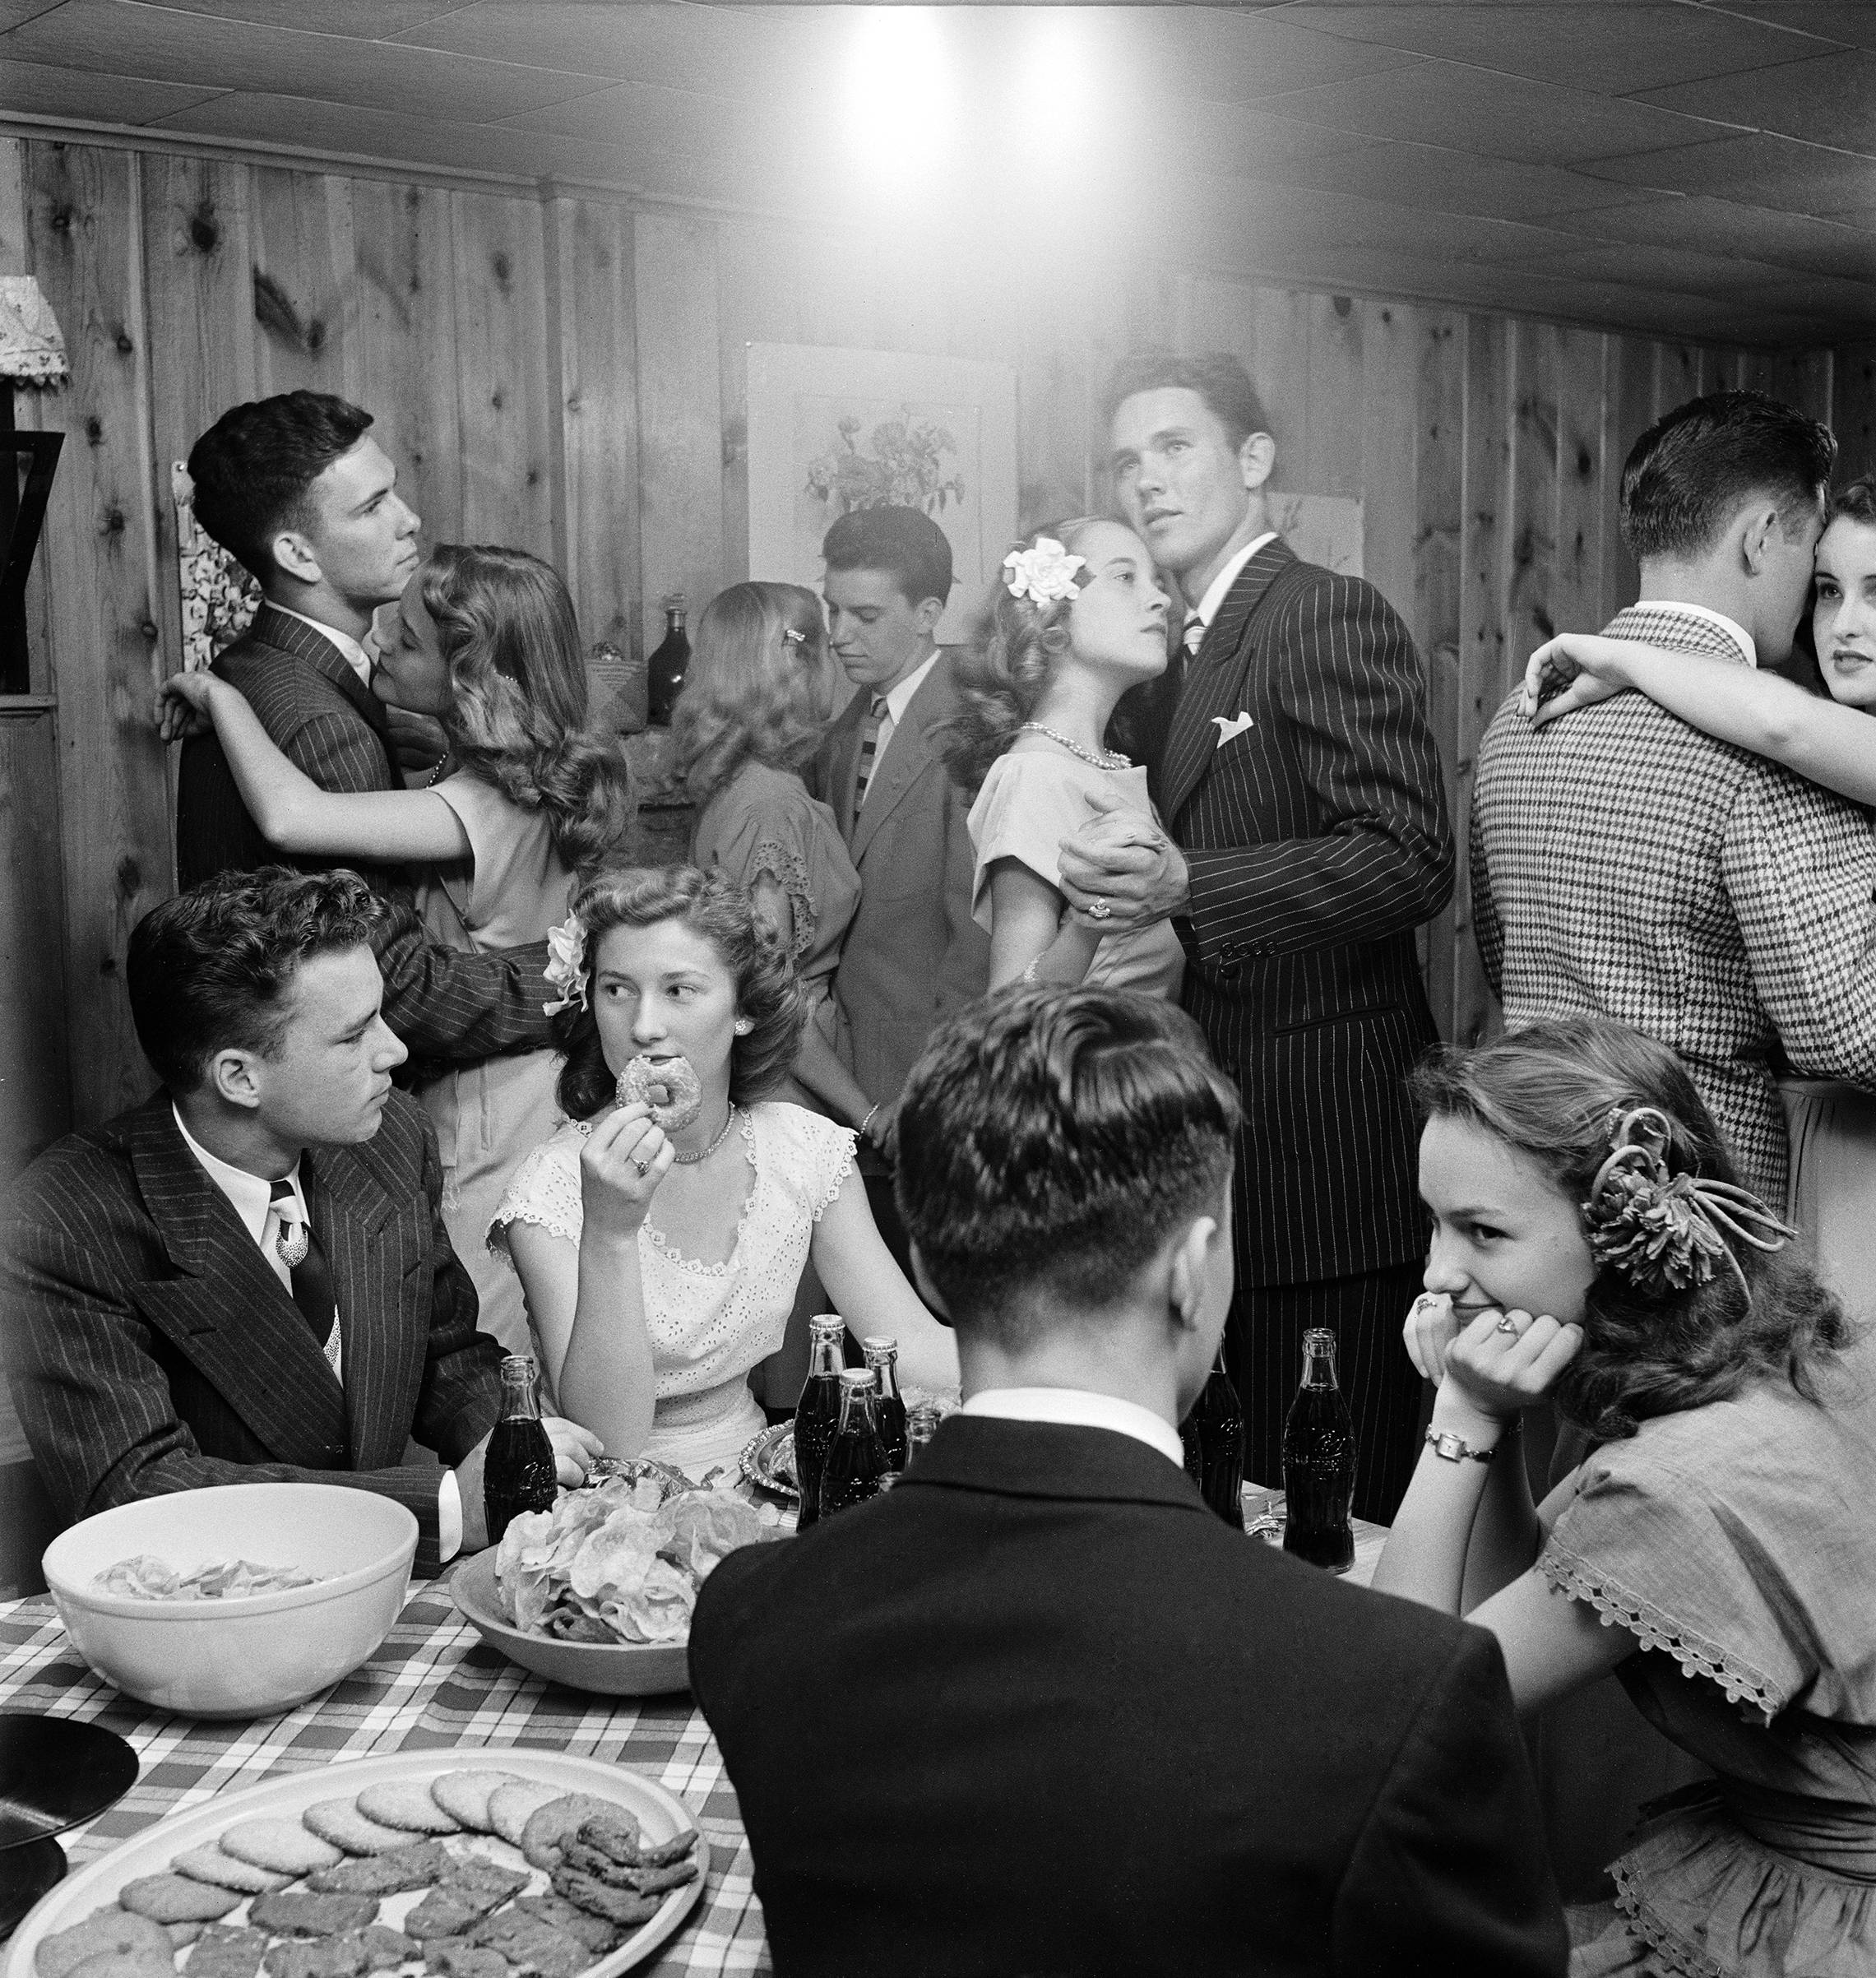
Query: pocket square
(1231,726)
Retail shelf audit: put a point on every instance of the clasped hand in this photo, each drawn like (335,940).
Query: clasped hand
(626,1156)
(1498,1362)
(1572,671)
(181,706)
(1127,865)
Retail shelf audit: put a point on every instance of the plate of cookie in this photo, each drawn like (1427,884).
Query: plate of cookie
(527,1862)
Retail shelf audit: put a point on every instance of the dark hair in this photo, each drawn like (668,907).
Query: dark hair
(253,467)
(210,971)
(1049,1140)
(1216,377)
(710,903)
(517,712)
(1552,1092)
(1856,500)
(1689,473)
(906,543)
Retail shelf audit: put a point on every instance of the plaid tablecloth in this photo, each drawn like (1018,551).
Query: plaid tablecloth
(432,1685)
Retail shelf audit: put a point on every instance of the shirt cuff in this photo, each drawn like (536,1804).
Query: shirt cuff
(449,1519)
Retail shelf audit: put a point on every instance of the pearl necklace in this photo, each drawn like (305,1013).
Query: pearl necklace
(1109,759)
(691,1160)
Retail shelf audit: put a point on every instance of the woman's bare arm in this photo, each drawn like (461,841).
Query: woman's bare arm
(1026,925)
(869,1290)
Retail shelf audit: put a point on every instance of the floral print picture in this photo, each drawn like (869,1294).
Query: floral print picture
(219,598)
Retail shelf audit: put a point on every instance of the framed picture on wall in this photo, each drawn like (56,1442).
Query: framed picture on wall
(831,431)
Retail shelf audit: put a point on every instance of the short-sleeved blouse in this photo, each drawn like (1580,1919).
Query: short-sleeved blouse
(1030,801)
(709,1323)
(1737,1542)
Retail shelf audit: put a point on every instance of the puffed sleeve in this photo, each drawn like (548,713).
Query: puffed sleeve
(1028,804)
(812,1156)
(544,1190)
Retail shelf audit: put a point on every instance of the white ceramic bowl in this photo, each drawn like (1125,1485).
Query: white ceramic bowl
(247,1657)
(610,1668)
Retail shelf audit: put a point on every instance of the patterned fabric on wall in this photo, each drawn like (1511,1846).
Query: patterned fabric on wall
(219,598)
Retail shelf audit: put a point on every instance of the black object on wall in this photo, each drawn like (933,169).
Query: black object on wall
(27,463)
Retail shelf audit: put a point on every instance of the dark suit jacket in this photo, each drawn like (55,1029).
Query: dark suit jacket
(1318,840)
(1038,1711)
(444,1003)
(914,955)
(151,1347)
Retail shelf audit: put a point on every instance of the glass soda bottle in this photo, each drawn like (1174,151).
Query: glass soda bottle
(921,1425)
(518,1466)
(1319,1462)
(817,1413)
(1214,1438)
(882,1357)
(669,662)
(856,1467)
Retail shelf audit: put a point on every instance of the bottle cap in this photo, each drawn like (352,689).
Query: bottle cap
(827,1324)
(856,1377)
(876,1347)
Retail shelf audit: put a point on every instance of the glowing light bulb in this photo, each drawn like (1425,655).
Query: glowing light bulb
(896,104)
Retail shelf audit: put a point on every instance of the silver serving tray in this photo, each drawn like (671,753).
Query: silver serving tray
(768,1462)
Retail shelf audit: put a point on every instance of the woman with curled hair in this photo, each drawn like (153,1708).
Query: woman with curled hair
(661,1234)
(755,706)
(1715,1548)
(1075,619)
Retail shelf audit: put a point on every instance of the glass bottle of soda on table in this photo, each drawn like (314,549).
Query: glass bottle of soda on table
(817,1413)
(856,1467)
(882,1357)
(1213,1435)
(1319,1462)
(518,1466)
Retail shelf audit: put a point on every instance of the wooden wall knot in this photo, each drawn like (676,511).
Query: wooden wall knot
(62,220)
(123,341)
(95,429)
(504,270)
(129,876)
(204,229)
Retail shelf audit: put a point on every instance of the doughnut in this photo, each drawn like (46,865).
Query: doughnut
(684,1095)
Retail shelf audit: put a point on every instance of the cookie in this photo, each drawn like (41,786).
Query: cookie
(531,1945)
(511,1807)
(317,1957)
(552,1826)
(384,1947)
(339,1821)
(615,1834)
(224,1871)
(176,1899)
(419,1864)
(110,1929)
(476,1875)
(129,1964)
(660,1854)
(625,1906)
(447,1912)
(619,1874)
(409,1807)
(292,1912)
(285,1846)
(464,1796)
(462,1959)
(227,1950)
(182,1935)
(557,1913)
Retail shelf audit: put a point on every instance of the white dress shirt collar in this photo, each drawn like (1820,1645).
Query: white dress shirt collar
(1732,627)
(1080,1408)
(252,1195)
(1215,589)
(899,698)
(355,655)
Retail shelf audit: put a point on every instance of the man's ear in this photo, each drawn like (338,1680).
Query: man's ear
(922,1282)
(927,614)
(293,555)
(233,1077)
(1190,1272)
(1256,458)
(1758,530)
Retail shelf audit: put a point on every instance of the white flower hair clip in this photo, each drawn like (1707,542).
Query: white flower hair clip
(791,637)
(565,969)
(1044,573)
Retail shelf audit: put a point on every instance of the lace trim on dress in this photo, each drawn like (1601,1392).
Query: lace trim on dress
(544,1193)
(790,871)
(850,1146)
(1655,1630)
(1678,1955)
(672,1255)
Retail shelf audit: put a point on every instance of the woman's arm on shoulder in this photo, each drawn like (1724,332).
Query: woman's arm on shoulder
(1552,1643)
(870,1292)
(294,813)
(1026,925)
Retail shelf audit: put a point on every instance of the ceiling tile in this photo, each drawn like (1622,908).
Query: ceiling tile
(1758,169)
(12,13)
(646,119)
(107,34)
(1853,20)
(1684,269)
(1828,100)
(1225,54)
(34,89)
(365,19)
(1580,44)
(303,122)
(1434,103)
(1452,181)
(1792,240)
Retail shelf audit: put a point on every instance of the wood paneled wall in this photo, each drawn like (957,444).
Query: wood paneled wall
(568,375)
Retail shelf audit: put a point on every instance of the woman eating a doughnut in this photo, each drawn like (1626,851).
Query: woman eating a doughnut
(661,1234)
(1591,1244)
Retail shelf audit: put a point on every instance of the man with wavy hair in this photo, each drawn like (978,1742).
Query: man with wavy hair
(1038,1708)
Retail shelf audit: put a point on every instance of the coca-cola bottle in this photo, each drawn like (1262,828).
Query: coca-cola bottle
(1319,1462)
(882,1356)
(817,1413)
(1214,1438)
(921,1425)
(669,662)
(517,1466)
(856,1467)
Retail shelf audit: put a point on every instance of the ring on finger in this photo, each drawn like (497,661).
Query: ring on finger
(1506,1324)
(644,1167)
(1100,911)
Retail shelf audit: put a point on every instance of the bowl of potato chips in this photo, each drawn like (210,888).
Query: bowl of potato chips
(597,1592)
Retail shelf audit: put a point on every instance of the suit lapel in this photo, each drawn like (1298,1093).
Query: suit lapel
(909,752)
(286,633)
(227,1311)
(1214,680)
(843,762)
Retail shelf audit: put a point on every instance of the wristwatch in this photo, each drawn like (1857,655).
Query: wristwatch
(1452,1449)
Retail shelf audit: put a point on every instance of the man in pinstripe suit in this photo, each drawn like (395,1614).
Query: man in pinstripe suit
(247,1278)
(1291,759)
(296,487)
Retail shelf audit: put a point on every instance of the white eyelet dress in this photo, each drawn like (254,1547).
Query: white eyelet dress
(709,1323)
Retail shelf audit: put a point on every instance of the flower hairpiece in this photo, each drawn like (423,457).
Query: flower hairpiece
(1668,1234)
(791,637)
(565,969)
(1044,573)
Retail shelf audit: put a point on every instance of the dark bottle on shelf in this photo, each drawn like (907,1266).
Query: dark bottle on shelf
(817,1413)
(518,1466)
(668,663)
(856,1467)
(1214,1438)
(882,1357)
(1319,1462)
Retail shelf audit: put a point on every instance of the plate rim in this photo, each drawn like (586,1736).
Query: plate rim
(190,1825)
(772,1436)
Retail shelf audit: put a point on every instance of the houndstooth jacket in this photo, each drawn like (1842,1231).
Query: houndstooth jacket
(1624,864)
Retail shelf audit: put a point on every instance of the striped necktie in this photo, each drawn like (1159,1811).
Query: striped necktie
(870,748)
(305,1258)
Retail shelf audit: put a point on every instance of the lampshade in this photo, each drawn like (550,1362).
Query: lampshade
(32,347)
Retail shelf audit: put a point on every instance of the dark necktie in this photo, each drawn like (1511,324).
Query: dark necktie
(311,1275)
(869,748)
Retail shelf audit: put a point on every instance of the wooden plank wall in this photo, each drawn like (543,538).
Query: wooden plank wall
(568,375)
